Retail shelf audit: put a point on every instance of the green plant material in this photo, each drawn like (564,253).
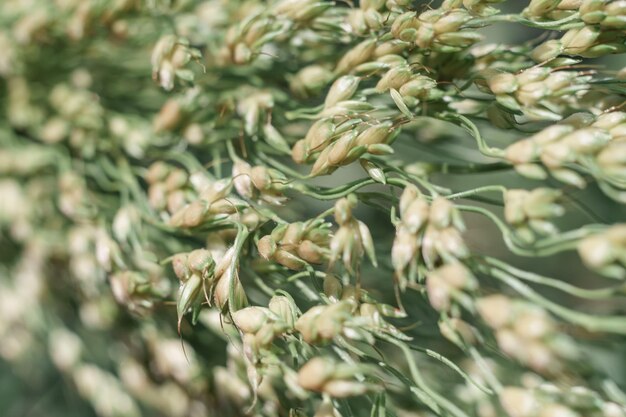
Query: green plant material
(185,229)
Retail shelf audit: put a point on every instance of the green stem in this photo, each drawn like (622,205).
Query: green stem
(610,324)
(596,294)
(419,381)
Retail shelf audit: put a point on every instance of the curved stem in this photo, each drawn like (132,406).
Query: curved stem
(609,324)
(596,294)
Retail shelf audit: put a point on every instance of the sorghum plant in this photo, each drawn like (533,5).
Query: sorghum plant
(313,208)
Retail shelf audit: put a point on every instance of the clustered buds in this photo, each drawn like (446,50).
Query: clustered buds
(553,9)
(322,323)
(323,374)
(169,57)
(432,230)
(526,333)
(259,182)
(245,41)
(353,238)
(540,93)
(588,42)
(530,211)
(605,252)
(476,7)
(447,283)
(369,16)
(213,203)
(594,145)
(437,29)
(603,13)
(295,245)
(332,144)
(261,325)
(202,276)
(193,269)
(167,187)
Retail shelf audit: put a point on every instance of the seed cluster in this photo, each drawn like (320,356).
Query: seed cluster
(296,208)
